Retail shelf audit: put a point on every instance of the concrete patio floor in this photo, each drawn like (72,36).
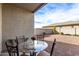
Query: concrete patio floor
(65,45)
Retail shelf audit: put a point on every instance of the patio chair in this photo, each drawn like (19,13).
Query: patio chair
(41,36)
(12,47)
(22,49)
(45,53)
(21,39)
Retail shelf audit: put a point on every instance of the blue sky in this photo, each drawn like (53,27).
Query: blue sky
(55,13)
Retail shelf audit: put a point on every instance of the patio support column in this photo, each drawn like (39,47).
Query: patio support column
(72,28)
(54,30)
(75,31)
(60,30)
(0,28)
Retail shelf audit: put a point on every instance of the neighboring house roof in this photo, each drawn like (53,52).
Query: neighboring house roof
(69,23)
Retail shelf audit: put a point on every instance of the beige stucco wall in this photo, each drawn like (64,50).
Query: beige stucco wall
(0,27)
(69,30)
(16,22)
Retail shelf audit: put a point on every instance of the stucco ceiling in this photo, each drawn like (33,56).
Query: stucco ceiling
(30,6)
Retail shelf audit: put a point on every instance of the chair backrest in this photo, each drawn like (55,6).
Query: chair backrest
(52,47)
(41,36)
(21,39)
(12,47)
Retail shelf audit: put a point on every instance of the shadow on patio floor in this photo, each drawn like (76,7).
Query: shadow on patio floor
(63,49)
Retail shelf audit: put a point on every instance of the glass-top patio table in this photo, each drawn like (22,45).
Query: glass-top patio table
(38,46)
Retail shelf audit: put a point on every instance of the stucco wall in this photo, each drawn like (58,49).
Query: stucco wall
(16,22)
(0,27)
(69,30)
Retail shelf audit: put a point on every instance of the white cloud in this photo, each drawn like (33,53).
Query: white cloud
(58,16)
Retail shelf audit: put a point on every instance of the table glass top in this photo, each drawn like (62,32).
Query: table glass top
(40,46)
(37,45)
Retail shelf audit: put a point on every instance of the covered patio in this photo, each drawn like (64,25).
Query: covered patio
(17,19)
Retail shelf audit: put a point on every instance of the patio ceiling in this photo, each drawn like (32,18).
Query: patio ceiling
(32,7)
